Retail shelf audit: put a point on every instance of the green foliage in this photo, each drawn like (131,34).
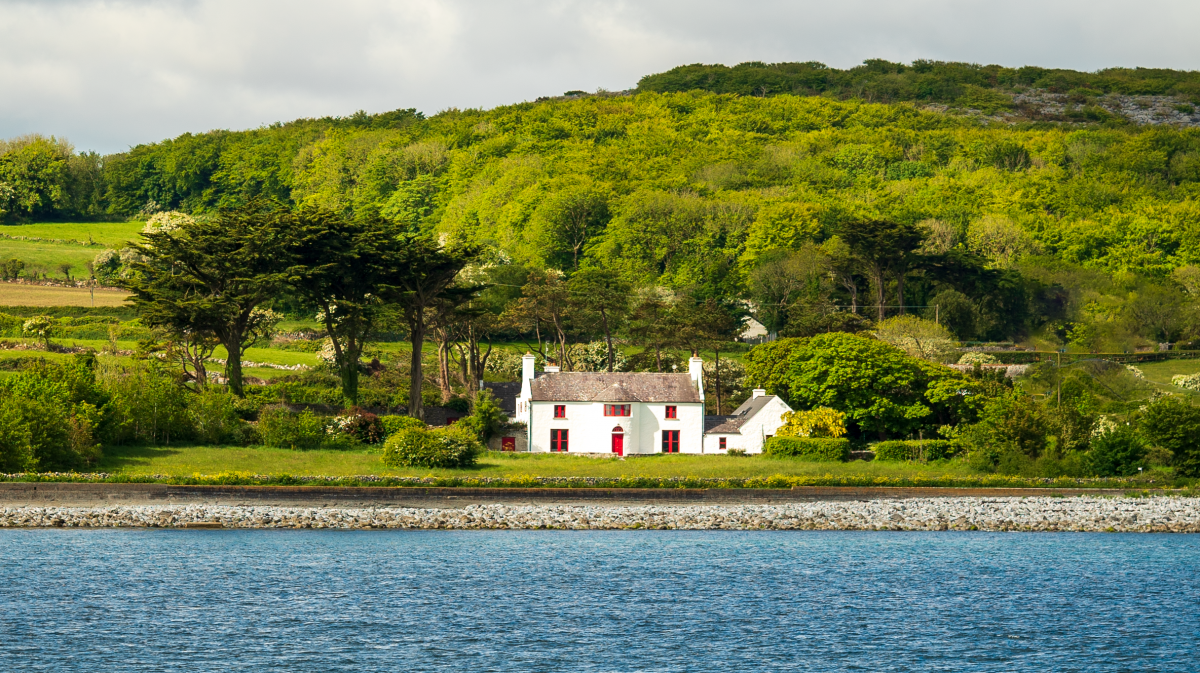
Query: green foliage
(817,449)
(1012,431)
(215,418)
(280,428)
(879,388)
(361,426)
(487,419)
(450,447)
(1174,424)
(1118,453)
(898,450)
(147,405)
(394,424)
(50,415)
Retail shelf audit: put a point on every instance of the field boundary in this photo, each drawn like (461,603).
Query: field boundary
(66,494)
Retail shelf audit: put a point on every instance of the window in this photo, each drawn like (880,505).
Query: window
(558,441)
(670,441)
(560,411)
(451,420)
(617,409)
(723,447)
(672,411)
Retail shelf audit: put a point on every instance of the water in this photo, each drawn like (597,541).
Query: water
(130,600)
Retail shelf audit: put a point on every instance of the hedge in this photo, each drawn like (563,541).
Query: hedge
(808,448)
(908,449)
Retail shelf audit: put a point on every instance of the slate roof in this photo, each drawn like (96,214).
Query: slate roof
(506,395)
(614,387)
(437,416)
(732,425)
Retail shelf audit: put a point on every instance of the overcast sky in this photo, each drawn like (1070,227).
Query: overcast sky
(109,75)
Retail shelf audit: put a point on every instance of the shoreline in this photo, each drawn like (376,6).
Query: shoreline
(997,514)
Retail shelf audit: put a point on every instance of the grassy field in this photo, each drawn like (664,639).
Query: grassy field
(1161,372)
(45,257)
(16,294)
(111,234)
(188,460)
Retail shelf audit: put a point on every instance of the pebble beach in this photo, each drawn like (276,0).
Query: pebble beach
(1084,514)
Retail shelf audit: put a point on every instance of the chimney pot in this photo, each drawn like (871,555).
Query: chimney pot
(760,392)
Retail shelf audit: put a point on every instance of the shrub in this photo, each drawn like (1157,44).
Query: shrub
(1173,424)
(809,448)
(215,417)
(978,359)
(819,422)
(1186,381)
(147,405)
(487,420)
(280,428)
(1011,430)
(49,415)
(441,447)
(394,424)
(1118,452)
(361,426)
(899,450)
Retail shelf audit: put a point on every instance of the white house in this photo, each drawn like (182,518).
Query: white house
(617,412)
(748,427)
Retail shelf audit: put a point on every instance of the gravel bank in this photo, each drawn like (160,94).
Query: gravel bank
(1157,514)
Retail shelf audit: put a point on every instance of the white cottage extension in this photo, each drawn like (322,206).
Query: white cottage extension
(748,427)
(617,412)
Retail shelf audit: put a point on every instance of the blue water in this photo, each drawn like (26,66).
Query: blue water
(128,600)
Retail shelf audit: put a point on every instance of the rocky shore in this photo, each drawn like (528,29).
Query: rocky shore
(1152,514)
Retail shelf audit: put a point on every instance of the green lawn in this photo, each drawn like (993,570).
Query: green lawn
(1161,372)
(188,460)
(45,257)
(112,234)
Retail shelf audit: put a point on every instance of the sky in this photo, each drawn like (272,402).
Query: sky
(110,75)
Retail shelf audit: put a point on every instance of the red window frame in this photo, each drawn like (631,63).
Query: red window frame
(617,409)
(670,441)
(672,412)
(722,440)
(558,440)
(560,411)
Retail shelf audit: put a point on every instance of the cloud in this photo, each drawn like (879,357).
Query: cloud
(109,75)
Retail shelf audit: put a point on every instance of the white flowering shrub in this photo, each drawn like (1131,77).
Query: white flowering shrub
(1137,373)
(1187,381)
(978,359)
(40,327)
(593,357)
(166,222)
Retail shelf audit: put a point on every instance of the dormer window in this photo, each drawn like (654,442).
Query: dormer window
(672,411)
(617,409)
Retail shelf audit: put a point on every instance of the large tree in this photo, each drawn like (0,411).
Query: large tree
(602,298)
(344,265)
(428,281)
(885,249)
(211,276)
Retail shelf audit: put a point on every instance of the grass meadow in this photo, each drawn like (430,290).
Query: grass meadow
(18,294)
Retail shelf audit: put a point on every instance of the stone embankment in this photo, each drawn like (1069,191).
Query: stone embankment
(1151,514)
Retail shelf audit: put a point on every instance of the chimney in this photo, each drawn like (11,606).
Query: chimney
(696,371)
(527,362)
(551,369)
(759,392)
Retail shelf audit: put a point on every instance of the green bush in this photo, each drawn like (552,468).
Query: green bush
(441,447)
(1012,431)
(49,417)
(900,450)
(394,424)
(1174,424)
(1118,453)
(215,417)
(809,448)
(280,428)
(361,426)
(147,405)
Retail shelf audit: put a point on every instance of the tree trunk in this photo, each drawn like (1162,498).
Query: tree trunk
(879,292)
(657,358)
(233,366)
(607,338)
(717,376)
(416,339)
(349,371)
(900,290)
(444,364)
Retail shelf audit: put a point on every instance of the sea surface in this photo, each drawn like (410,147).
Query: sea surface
(178,600)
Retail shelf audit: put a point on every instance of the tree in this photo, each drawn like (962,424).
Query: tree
(884,249)
(343,266)
(878,387)
(210,275)
(545,304)
(601,296)
(430,270)
(919,338)
(1174,424)
(783,277)
(571,217)
(648,323)
(708,324)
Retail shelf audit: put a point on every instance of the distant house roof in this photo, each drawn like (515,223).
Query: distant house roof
(613,387)
(506,395)
(435,416)
(732,425)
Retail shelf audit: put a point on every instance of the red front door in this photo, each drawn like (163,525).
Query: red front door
(618,444)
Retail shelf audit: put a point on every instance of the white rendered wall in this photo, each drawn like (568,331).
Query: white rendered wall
(763,424)
(590,431)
